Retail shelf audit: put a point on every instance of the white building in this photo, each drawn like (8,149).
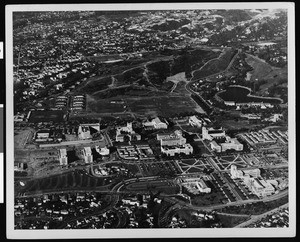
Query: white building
(102,151)
(260,187)
(211,133)
(194,121)
(196,185)
(251,177)
(214,146)
(87,155)
(231,143)
(171,139)
(178,149)
(85,130)
(235,173)
(156,124)
(63,158)
(122,132)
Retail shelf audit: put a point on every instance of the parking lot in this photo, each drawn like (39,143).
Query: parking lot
(159,168)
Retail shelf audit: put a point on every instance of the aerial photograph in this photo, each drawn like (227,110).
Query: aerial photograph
(150,119)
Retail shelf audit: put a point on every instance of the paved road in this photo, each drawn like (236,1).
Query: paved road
(219,206)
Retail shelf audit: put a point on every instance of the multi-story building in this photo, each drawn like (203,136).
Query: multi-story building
(155,124)
(178,149)
(171,139)
(211,133)
(196,185)
(230,143)
(126,131)
(63,158)
(87,155)
(85,131)
(260,187)
(252,179)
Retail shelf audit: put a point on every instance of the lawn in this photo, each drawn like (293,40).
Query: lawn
(264,71)
(229,221)
(161,105)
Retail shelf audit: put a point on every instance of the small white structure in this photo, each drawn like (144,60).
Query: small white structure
(102,151)
(194,121)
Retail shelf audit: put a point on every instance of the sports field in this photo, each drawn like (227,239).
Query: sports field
(162,105)
(46,116)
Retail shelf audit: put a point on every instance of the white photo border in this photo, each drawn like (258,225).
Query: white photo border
(148,233)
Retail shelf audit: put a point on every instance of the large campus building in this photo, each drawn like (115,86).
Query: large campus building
(216,134)
(171,139)
(126,131)
(85,131)
(252,179)
(211,133)
(196,185)
(155,124)
(174,143)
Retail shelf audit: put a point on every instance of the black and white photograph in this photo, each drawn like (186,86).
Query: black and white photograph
(150,120)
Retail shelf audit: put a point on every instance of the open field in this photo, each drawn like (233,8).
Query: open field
(103,106)
(22,137)
(264,71)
